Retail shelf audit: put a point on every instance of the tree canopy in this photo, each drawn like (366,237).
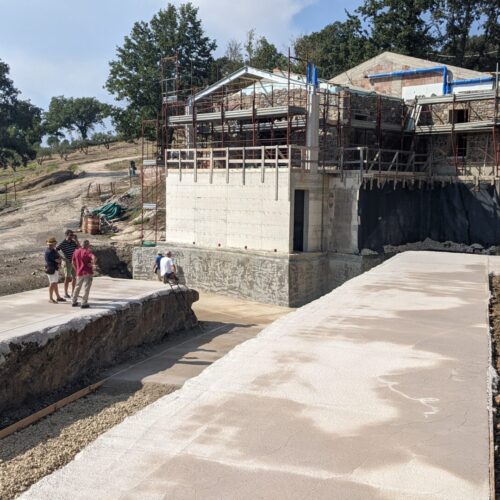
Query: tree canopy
(134,78)
(461,32)
(80,114)
(256,51)
(20,124)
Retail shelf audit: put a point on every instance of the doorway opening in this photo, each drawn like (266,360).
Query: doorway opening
(299,220)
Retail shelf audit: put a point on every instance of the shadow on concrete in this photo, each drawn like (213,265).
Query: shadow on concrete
(426,402)
(185,351)
(168,353)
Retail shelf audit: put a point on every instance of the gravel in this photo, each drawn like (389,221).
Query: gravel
(495,333)
(30,454)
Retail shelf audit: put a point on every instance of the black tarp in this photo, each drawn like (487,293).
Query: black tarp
(457,212)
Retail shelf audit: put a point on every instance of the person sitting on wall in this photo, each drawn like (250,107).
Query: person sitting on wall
(156,267)
(168,268)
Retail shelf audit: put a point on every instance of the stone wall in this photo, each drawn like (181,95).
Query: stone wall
(252,275)
(442,113)
(65,354)
(308,278)
(287,280)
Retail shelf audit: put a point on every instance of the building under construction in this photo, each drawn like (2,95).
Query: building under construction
(280,186)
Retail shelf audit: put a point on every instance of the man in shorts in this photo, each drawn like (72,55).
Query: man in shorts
(68,247)
(52,263)
(156,267)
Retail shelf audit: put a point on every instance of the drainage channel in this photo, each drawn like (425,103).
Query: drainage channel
(50,438)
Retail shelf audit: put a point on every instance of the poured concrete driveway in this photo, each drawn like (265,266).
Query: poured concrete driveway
(379,390)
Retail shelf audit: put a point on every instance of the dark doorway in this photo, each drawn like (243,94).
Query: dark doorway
(298,220)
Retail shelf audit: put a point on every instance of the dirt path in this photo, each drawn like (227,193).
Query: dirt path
(51,210)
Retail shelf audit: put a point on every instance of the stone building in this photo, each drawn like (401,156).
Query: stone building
(280,187)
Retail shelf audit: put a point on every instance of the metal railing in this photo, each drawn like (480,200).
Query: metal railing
(250,157)
(367,159)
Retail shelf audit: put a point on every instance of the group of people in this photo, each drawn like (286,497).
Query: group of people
(76,261)
(165,268)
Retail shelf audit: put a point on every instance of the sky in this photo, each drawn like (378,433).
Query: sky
(63,47)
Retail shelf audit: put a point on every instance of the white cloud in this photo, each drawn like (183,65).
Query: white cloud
(41,75)
(40,78)
(227,19)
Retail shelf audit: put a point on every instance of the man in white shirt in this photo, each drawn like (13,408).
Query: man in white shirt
(168,268)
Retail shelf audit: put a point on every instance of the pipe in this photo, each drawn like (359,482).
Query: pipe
(482,79)
(417,71)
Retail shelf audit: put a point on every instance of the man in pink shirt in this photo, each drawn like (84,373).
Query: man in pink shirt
(83,262)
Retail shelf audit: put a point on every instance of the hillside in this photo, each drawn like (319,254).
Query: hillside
(52,201)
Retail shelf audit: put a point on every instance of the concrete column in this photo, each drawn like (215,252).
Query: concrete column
(189,128)
(312,132)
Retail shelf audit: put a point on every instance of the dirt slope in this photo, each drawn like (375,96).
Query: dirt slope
(46,212)
(51,210)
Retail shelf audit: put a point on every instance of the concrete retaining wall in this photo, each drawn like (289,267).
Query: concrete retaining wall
(45,360)
(341,214)
(255,276)
(288,280)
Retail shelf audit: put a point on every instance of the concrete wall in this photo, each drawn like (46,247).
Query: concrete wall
(341,214)
(287,280)
(308,278)
(66,353)
(243,212)
(200,216)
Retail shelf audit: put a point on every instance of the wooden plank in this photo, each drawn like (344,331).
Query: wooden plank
(35,417)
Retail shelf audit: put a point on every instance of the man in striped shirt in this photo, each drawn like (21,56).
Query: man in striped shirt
(68,247)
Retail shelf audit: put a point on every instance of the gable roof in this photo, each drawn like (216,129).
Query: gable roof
(400,61)
(249,73)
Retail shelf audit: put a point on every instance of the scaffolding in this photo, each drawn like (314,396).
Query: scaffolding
(459,132)
(260,119)
(152,177)
(254,108)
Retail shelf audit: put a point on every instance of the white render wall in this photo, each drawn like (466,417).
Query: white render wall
(230,214)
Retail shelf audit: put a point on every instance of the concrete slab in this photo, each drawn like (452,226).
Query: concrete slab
(24,314)
(228,322)
(45,346)
(377,390)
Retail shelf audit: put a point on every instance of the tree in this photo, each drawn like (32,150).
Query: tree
(468,32)
(263,54)
(81,114)
(20,124)
(134,77)
(400,26)
(461,32)
(42,154)
(103,138)
(256,51)
(336,48)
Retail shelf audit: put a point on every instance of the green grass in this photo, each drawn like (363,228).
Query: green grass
(11,180)
(118,165)
(139,222)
